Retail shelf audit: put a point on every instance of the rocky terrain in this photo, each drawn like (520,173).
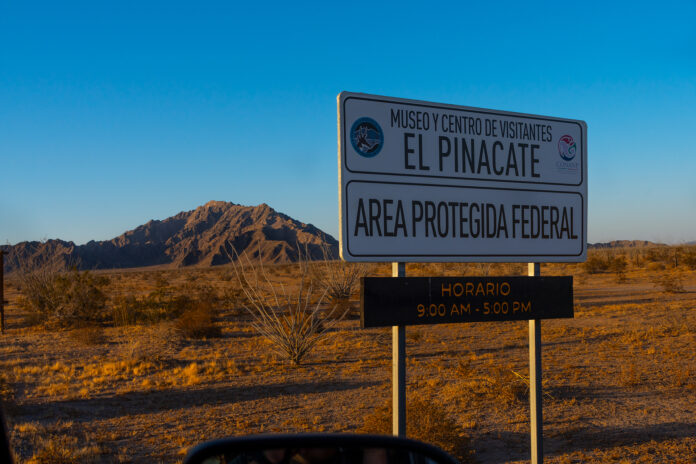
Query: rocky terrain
(205,236)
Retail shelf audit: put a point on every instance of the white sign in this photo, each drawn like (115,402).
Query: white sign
(422,181)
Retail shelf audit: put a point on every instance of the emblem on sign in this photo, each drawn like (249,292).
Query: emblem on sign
(366,137)
(566,147)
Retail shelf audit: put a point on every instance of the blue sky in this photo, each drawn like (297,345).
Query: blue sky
(114,113)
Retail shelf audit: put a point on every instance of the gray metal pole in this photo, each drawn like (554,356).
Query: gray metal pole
(535,396)
(399,368)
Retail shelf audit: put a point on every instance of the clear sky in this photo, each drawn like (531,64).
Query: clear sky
(116,112)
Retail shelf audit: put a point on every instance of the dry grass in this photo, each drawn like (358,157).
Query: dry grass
(619,378)
(60,443)
(88,335)
(153,343)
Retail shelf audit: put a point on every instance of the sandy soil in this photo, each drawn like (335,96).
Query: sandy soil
(619,382)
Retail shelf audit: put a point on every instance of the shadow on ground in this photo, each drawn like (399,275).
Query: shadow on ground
(134,403)
(515,447)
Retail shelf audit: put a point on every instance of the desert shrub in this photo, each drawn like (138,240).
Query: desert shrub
(655,266)
(124,310)
(68,299)
(289,318)
(337,276)
(198,322)
(688,258)
(618,265)
(598,262)
(426,421)
(670,282)
(595,264)
(161,304)
(81,296)
(658,254)
(39,294)
(636,258)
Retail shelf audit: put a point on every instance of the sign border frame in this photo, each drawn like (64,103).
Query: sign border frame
(402,257)
(344,131)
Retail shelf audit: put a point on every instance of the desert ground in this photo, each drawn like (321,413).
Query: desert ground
(155,374)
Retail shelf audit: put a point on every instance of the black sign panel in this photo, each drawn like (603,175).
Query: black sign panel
(387,301)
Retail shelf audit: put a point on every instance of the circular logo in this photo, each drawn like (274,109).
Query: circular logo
(566,147)
(367,137)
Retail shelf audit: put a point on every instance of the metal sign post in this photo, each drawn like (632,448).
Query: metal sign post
(535,397)
(433,182)
(399,368)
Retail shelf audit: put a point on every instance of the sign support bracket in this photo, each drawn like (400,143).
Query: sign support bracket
(535,393)
(399,367)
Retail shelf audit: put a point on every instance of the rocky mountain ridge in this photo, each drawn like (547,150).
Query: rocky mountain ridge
(624,244)
(205,236)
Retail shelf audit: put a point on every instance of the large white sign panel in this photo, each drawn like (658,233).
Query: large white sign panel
(422,181)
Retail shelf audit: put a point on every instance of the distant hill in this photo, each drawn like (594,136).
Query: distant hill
(624,244)
(205,236)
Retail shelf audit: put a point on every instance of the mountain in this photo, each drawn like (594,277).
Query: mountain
(624,244)
(205,236)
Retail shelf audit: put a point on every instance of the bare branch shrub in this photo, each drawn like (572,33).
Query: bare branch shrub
(40,297)
(289,318)
(339,278)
